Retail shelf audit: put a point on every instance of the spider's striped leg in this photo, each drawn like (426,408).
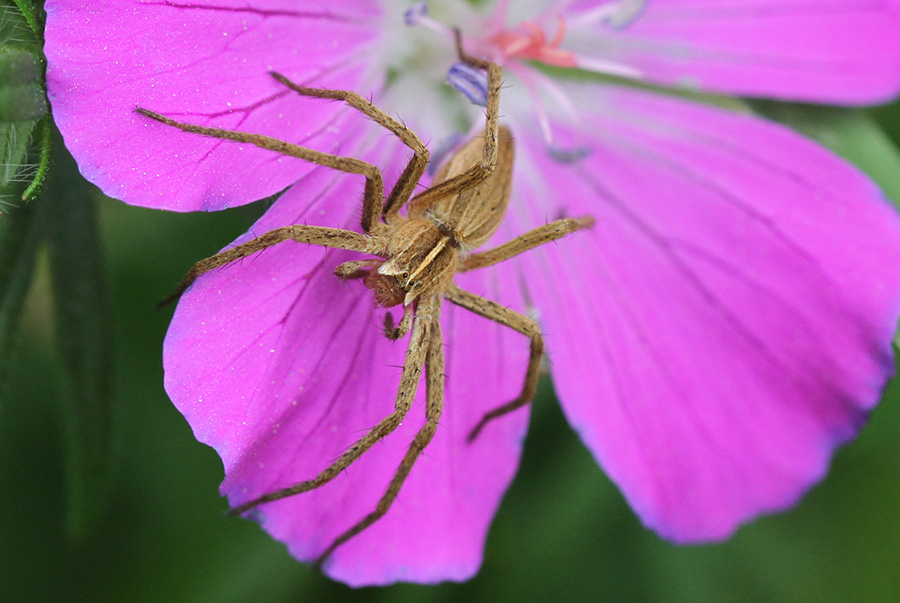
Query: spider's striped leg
(411,175)
(374,191)
(409,380)
(428,311)
(314,235)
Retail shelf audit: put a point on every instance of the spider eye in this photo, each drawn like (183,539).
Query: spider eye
(405,275)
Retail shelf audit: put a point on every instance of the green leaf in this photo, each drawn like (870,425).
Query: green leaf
(33,16)
(17,167)
(14,143)
(20,234)
(84,332)
(22,95)
(851,133)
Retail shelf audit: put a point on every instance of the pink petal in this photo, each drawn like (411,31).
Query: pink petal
(280,367)
(207,65)
(728,321)
(833,51)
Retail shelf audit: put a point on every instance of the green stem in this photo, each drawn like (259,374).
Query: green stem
(45,131)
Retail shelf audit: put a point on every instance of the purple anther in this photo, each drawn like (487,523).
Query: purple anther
(571,155)
(469,80)
(415,13)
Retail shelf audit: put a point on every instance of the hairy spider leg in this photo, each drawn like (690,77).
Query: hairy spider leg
(403,188)
(374,190)
(493,311)
(531,239)
(428,313)
(484,168)
(314,235)
(518,322)
(409,380)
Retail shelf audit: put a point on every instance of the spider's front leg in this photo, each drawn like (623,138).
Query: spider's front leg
(411,175)
(313,235)
(374,191)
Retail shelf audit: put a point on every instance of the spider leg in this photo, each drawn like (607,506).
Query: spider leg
(518,322)
(410,177)
(484,168)
(531,239)
(314,235)
(434,380)
(464,56)
(355,268)
(412,369)
(396,332)
(374,191)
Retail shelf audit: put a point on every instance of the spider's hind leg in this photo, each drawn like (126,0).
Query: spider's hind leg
(434,382)
(374,191)
(416,355)
(411,175)
(518,322)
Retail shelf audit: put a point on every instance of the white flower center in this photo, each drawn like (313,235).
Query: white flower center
(419,49)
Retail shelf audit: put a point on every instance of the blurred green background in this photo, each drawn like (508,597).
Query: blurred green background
(563,531)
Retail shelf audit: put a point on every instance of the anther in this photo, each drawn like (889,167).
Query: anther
(417,14)
(572,155)
(471,81)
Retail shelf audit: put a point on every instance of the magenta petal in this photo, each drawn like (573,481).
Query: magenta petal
(207,65)
(280,366)
(727,323)
(835,51)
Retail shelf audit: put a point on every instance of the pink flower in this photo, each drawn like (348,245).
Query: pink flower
(722,329)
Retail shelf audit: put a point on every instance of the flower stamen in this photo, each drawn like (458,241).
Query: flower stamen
(537,84)
(532,44)
(470,81)
(617,15)
(417,14)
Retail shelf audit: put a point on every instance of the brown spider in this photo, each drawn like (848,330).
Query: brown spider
(420,254)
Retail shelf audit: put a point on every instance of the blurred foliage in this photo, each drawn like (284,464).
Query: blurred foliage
(157,532)
(84,338)
(63,224)
(23,102)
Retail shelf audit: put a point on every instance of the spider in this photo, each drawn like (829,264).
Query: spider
(419,254)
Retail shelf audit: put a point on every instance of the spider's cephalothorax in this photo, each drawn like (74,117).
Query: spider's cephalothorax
(416,258)
(424,249)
